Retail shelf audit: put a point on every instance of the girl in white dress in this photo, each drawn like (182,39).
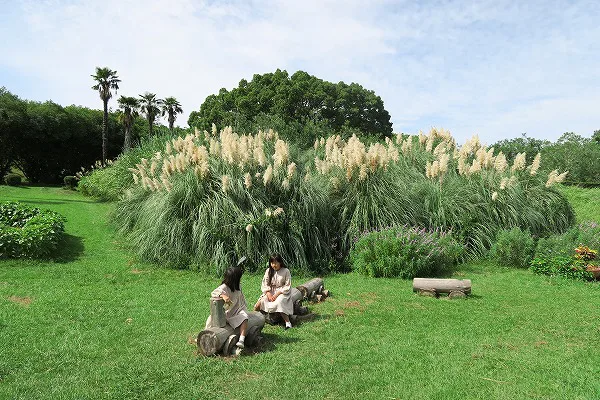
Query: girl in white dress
(276,285)
(235,303)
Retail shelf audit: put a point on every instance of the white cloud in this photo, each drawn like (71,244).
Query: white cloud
(494,68)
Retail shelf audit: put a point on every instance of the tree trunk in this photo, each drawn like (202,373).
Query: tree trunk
(104,131)
(435,286)
(127,143)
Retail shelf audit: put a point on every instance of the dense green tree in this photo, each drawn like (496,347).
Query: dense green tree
(524,144)
(150,107)
(107,80)
(578,155)
(171,107)
(13,122)
(596,136)
(129,107)
(298,98)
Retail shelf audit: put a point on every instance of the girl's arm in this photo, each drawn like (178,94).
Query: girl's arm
(220,292)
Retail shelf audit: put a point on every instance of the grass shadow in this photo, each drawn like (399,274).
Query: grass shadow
(69,249)
(269,342)
(64,201)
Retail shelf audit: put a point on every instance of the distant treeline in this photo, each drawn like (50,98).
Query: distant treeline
(47,141)
(571,152)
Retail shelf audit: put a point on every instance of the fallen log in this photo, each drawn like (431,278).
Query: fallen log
(213,338)
(432,287)
(311,288)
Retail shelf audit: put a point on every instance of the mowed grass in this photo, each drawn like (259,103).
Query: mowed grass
(585,201)
(98,324)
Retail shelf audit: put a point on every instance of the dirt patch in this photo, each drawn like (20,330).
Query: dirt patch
(352,304)
(540,343)
(24,301)
(137,271)
(339,313)
(249,376)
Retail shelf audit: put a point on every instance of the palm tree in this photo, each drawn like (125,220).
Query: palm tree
(107,80)
(150,106)
(130,106)
(171,107)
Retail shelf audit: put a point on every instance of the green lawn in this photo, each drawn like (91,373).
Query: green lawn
(585,201)
(98,324)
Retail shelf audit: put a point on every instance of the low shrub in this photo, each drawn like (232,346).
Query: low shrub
(404,252)
(563,245)
(70,181)
(567,267)
(514,248)
(109,183)
(12,179)
(28,232)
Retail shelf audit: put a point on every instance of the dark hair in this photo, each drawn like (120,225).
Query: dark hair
(232,278)
(274,257)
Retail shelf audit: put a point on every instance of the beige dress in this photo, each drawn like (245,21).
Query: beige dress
(282,282)
(235,311)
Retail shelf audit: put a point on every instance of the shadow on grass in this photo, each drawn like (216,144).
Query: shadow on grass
(69,249)
(270,342)
(63,201)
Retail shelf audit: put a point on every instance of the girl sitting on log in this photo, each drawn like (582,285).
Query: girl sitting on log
(235,303)
(276,285)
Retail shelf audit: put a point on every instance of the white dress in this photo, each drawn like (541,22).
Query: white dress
(282,282)
(236,311)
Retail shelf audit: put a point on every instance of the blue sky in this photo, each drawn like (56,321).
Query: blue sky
(492,68)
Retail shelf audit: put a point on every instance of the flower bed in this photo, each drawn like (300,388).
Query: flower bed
(28,232)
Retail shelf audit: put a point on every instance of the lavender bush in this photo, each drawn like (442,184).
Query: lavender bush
(404,252)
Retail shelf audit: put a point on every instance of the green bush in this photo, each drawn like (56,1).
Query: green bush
(564,266)
(514,248)
(110,183)
(12,179)
(404,252)
(28,232)
(70,181)
(586,233)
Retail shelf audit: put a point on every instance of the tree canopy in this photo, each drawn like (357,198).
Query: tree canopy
(298,98)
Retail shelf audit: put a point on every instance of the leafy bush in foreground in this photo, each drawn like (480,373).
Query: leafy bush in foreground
(404,252)
(27,231)
(566,267)
(513,248)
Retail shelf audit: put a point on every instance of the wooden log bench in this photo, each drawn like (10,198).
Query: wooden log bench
(313,290)
(455,288)
(219,337)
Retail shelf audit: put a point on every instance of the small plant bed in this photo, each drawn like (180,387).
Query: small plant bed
(582,265)
(28,232)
